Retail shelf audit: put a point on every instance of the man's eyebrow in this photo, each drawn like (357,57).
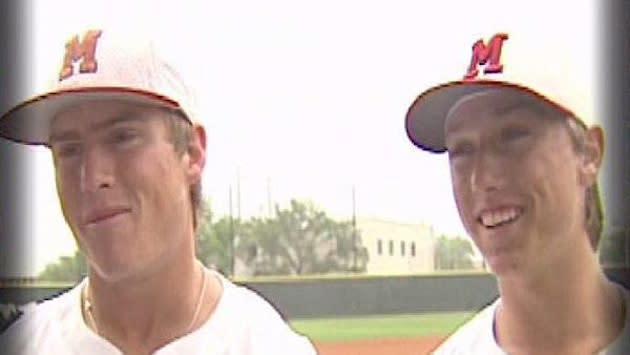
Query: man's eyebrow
(62,136)
(69,135)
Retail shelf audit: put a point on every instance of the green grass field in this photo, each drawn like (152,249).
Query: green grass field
(378,327)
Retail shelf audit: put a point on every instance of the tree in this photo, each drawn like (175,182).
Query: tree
(66,269)
(300,240)
(215,241)
(453,253)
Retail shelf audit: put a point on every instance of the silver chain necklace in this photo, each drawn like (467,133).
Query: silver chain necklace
(88,309)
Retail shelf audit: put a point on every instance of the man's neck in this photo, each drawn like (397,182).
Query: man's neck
(567,308)
(143,316)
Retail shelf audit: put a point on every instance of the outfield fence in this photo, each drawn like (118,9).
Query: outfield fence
(317,297)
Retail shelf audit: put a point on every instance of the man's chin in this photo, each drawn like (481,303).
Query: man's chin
(115,273)
(502,263)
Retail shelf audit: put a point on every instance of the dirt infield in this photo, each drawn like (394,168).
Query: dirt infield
(401,346)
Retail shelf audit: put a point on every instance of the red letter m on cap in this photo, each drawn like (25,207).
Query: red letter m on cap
(76,51)
(490,54)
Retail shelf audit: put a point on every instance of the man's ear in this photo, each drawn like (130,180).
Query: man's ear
(593,154)
(196,154)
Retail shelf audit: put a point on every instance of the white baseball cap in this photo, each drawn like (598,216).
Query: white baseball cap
(101,64)
(557,70)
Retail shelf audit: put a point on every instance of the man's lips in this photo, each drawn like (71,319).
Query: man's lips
(104,214)
(496,216)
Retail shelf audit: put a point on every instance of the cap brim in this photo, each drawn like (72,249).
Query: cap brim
(425,120)
(29,123)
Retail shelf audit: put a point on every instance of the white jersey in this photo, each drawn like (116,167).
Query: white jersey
(243,323)
(477,335)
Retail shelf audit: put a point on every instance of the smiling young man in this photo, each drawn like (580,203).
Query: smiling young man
(524,168)
(129,154)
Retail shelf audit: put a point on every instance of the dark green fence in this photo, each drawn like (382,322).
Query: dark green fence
(352,296)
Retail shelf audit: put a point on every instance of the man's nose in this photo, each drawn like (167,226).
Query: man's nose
(489,173)
(96,170)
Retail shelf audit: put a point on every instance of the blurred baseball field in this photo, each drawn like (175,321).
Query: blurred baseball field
(371,335)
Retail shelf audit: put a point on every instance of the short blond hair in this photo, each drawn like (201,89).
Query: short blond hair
(594,219)
(182,136)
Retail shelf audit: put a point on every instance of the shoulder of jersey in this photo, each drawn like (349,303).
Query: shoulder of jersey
(474,335)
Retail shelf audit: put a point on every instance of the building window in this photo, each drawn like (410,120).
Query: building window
(402,248)
(391,247)
(413,249)
(379,247)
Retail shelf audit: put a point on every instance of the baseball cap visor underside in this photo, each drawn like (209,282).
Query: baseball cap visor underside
(426,117)
(30,122)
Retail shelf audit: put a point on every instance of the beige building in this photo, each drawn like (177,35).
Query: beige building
(397,248)
(393,248)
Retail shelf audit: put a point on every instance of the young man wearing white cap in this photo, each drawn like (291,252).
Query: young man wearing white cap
(524,167)
(129,153)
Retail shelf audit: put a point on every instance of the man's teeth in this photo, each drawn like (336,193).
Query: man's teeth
(495,218)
